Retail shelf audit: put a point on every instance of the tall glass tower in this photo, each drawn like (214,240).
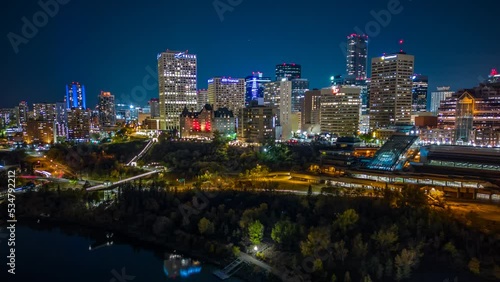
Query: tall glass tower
(288,71)
(357,56)
(254,85)
(75,96)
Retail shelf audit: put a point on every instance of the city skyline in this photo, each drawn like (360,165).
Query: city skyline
(244,55)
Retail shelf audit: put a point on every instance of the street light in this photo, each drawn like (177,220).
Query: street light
(255,248)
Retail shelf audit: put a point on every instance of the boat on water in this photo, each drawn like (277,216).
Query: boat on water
(176,265)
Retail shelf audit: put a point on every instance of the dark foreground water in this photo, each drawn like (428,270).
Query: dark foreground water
(53,255)
(49,254)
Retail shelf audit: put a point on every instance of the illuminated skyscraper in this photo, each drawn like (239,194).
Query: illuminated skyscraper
(226,92)
(391,90)
(254,85)
(339,110)
(357,56)
(288,71)
(22,114)
(279,94)
(177,86)
(419,93)
(44,111)
(299,88)
(107,111)
(75,96)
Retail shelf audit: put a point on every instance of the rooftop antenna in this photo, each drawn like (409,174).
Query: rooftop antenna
(401,41)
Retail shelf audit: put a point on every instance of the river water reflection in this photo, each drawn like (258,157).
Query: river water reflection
(55,255)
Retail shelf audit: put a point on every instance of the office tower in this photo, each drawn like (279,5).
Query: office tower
(464,117)
(44,111)
(75,96)
(391,90)
(357,56)
(436,97)
(107,111)
(254,85)
(472,115)
(257,123)
(22,114)
(279,94)
(299,88)
(339,110)
(202,98)
(79,122)
(226,92)
(310,118)
(177,86)
(419,93)
(288,71)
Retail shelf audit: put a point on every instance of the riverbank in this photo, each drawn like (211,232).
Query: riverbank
(136,239)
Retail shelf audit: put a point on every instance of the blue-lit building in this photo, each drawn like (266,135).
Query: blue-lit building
(419,93)
(254,87)
(178,266)
(75,96)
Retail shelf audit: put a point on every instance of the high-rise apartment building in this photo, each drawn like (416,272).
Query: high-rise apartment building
(75,96)
(22,114)
(419,93)
(340,110)
(107,110)
(44,111)
(226,92)
(436,97)
(357,56)
(79,121)
(254,85)
(391,90)
(257,124)
(177,86)
(288,71)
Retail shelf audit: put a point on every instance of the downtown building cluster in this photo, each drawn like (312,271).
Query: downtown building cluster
(390,97)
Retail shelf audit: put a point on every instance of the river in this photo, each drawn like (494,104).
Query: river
(49,254)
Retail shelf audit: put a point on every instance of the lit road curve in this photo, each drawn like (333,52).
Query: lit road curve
(102,187)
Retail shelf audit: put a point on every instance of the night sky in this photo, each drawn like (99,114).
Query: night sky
(107,45)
